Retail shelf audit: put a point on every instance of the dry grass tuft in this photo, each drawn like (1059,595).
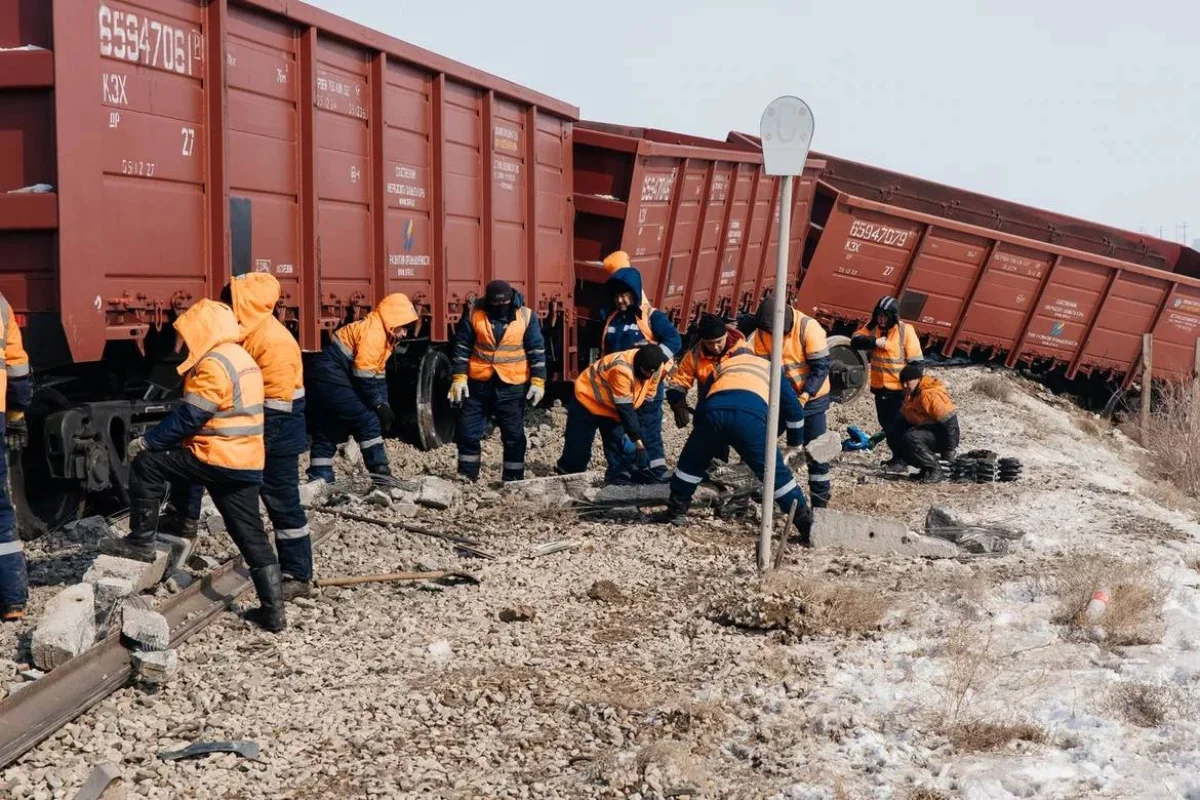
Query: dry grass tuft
(831,606)
(1143,704)
(1092,425)
(996,387)
(976,736)
(1136,595)
(1173,436)
(928,794)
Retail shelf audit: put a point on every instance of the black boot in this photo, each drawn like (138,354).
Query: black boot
(803,522)
(268,583)
(139,544)
(675,513)
(294,587)
(174,524)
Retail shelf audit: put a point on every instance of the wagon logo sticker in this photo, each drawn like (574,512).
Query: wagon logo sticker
(409,235)
(1057,329)
(1178,302)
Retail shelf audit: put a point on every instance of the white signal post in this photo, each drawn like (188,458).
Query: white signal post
(786,130)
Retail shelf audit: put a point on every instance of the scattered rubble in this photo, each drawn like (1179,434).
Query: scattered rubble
(140,574)
(314,493)
(104,783)
(606,592)
(67,627)
(145,627)
(109,590)
(520,613)
(155,667)
(437,493)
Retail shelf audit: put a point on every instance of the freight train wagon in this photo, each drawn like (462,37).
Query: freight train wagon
(996,279)
(166,144)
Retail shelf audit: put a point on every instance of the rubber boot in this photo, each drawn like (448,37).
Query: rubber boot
(270,614)
(930,475)
(139,544)
(803,522)
(381,475)
(675,512)
(173,524)
(294,587)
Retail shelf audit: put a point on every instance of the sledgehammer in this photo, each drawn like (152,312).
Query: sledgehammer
(385,577)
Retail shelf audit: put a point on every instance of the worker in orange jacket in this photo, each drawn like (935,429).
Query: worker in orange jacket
(928,425)
(253,297)
(348,392)
(608,395)
(214,438)
(891,343)
(16,393)
(806,365)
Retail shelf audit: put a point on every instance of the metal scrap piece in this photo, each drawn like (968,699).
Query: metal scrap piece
(242,747)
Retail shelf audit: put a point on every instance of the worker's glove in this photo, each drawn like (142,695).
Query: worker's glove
(803,398)
(641,459)
(16,436)
(135,448)
(683,415)
(792,454)
(387,417)
(458,390)
(862,342)
(537,390)
(881,343)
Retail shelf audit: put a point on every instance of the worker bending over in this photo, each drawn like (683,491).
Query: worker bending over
(608,395)
(716,340)
(634,322)
(806,365)
(891,343)
(498,349)
(253,297)
(928,425)
(347,390)
(16,392)
(214,438)
(735,414)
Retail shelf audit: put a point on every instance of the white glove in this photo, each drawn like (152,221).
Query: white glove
(792,455)
(135,448)
(536,393)
(881,342)
(458,392)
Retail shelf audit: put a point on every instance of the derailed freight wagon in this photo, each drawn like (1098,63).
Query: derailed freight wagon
(988,277)
(699,218)
(188,140)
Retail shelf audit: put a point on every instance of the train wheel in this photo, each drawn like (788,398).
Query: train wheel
(41,502)
(848,373)
(435,417)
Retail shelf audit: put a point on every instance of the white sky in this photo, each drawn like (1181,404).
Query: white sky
(1086,108)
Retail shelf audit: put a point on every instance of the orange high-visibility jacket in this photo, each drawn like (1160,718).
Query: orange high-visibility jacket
(369,342)
(506,358)
(696,366)
(903,347)
(806,341)
(222,379)
(611,381)
(267,341)
(929,404)
(16,360)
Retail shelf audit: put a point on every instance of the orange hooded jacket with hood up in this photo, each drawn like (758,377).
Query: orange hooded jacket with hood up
(220,420)
(363,348)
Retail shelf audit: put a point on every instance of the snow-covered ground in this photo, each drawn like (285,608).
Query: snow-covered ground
(969,686)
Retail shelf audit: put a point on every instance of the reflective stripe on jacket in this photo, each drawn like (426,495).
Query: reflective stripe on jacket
(742,370)
(930,404)
(611,381)
(696,366)
(227,384)
(16,360)
(507,359)
(805,342)
(903,347)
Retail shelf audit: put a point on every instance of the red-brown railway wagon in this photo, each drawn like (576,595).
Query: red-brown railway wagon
(188,140)
(994,288)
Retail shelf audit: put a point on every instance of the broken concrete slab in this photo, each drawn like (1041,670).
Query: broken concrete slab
(141,574)
(104,783)
(157,666)
(315,493)
(109,590)
(825,447)
(653,494)
(179,547)
(67,627)
(352,453)
(437,493)
(874,535)
(145,627)
(379,497)
(202,563)
(180,580)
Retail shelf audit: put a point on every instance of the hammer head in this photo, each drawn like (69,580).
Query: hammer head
(859,440)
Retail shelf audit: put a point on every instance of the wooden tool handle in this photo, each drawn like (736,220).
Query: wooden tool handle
(350,580)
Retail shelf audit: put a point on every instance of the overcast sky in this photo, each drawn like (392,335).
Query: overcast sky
(1087,108)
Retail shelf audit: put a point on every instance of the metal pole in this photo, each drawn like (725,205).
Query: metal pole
(779,295)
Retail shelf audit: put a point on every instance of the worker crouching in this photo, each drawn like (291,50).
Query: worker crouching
(608,395)
(891,343)
(214,439)
(806,365)
(735,415)
(717,339)
(928,426)
(498,350)
(16,393)
(634,322)
(347,390)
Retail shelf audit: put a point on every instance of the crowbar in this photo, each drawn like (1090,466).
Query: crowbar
(351,580)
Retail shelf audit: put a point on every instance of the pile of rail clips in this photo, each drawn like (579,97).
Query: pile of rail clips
(983,466)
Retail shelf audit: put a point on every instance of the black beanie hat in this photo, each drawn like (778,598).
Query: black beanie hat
(912,372)
(499,292)
(711,326)
(649,358)
(765,319)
